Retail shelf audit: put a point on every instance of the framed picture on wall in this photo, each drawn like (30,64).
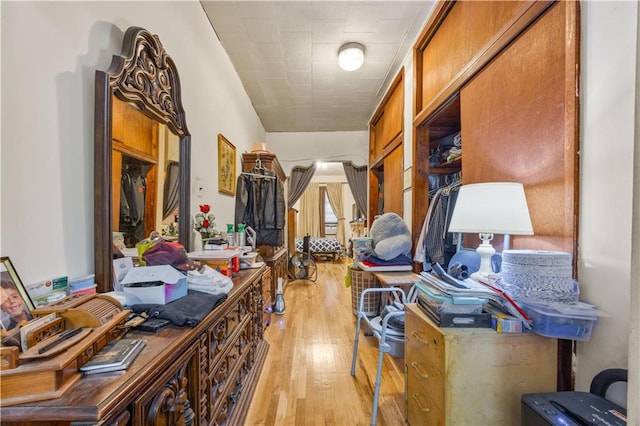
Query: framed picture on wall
(226,166)
(15,303)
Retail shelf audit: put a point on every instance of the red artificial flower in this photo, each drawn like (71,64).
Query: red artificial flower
(205,223)
(204,208)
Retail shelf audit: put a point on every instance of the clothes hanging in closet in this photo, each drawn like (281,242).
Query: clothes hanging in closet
(435,244)
(260,204)
(133,190)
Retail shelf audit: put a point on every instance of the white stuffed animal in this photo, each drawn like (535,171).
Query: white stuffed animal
(391,236)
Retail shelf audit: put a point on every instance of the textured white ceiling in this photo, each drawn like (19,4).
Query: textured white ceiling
(286,54)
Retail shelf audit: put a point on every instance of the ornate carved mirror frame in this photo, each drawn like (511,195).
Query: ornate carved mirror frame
(146,77)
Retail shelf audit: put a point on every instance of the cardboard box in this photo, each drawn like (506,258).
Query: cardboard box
(49,291)
(503,323)
(155,284)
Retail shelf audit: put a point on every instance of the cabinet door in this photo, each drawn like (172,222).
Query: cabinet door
(519,120)
(393,111)
(451,49)
(393,179)
(171,399)
(267,298)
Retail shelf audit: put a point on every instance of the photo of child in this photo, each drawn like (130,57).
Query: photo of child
(14,309)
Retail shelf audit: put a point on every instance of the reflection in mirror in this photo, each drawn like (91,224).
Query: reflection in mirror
(142,151)
(145,186)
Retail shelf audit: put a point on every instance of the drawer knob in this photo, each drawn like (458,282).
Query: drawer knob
(416,366)
(417,400)
(419,338)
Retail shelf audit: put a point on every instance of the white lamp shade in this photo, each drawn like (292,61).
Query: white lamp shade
(496,208)
(351,56)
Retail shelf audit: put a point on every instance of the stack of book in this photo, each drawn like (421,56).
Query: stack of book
(115,356)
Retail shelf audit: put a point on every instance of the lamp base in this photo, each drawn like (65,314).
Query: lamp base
(485,250)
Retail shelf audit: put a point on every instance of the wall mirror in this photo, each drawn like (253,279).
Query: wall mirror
(142,151)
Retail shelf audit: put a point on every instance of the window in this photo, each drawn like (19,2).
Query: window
(329,219)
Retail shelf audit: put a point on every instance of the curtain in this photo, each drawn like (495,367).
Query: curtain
(171,187)
(309,216)
(334,192)
(298,181)
(357,179)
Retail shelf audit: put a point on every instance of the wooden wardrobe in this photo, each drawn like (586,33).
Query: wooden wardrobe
(506,75)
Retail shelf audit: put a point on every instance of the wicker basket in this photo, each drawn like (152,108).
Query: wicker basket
(360,281)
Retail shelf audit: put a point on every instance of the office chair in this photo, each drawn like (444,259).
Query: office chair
(611,384)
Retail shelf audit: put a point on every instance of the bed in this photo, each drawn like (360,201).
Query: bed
(321,247)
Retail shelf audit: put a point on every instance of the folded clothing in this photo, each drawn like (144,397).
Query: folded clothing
(402,259)
(208,280)
(188,310)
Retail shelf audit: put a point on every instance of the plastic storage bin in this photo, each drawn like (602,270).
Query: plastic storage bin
(571,321)
(360,247)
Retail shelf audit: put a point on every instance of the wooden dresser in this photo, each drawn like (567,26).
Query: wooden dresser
(184,376)
(278,262)
(471,376)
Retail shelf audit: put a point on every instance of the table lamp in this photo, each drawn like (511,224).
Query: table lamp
(491,208)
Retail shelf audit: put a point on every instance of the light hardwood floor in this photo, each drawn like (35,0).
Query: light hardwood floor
(306,377)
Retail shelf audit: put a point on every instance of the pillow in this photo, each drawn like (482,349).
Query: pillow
(391,236)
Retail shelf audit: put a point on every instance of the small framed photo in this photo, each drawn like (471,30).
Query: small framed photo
(15,303)
(226,166)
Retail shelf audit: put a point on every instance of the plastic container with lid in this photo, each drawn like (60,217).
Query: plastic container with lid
(571,321)
(361,246)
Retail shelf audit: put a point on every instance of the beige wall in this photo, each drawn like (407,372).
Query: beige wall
(608,67)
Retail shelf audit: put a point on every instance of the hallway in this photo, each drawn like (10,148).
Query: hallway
(306,376)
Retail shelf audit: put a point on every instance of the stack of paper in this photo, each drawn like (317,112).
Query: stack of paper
(471,288)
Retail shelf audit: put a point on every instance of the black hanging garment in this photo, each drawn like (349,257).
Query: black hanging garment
(132,196)
(260,204)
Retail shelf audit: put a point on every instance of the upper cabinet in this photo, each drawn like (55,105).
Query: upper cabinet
(386,124)
(386,159)
(504,74)
(530,124)
(459,39)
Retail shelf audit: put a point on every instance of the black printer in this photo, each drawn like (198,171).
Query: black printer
(571,409)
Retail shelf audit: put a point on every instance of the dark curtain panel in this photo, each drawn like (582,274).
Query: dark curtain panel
(171,186)
(357,179)
(298,182)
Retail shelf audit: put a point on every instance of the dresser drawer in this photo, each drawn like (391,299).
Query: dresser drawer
(422,338)
(424,379)
(422,410)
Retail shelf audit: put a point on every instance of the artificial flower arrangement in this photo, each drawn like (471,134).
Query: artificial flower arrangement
(204,222)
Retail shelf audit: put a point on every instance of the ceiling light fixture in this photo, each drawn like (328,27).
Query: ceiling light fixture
(351,56)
